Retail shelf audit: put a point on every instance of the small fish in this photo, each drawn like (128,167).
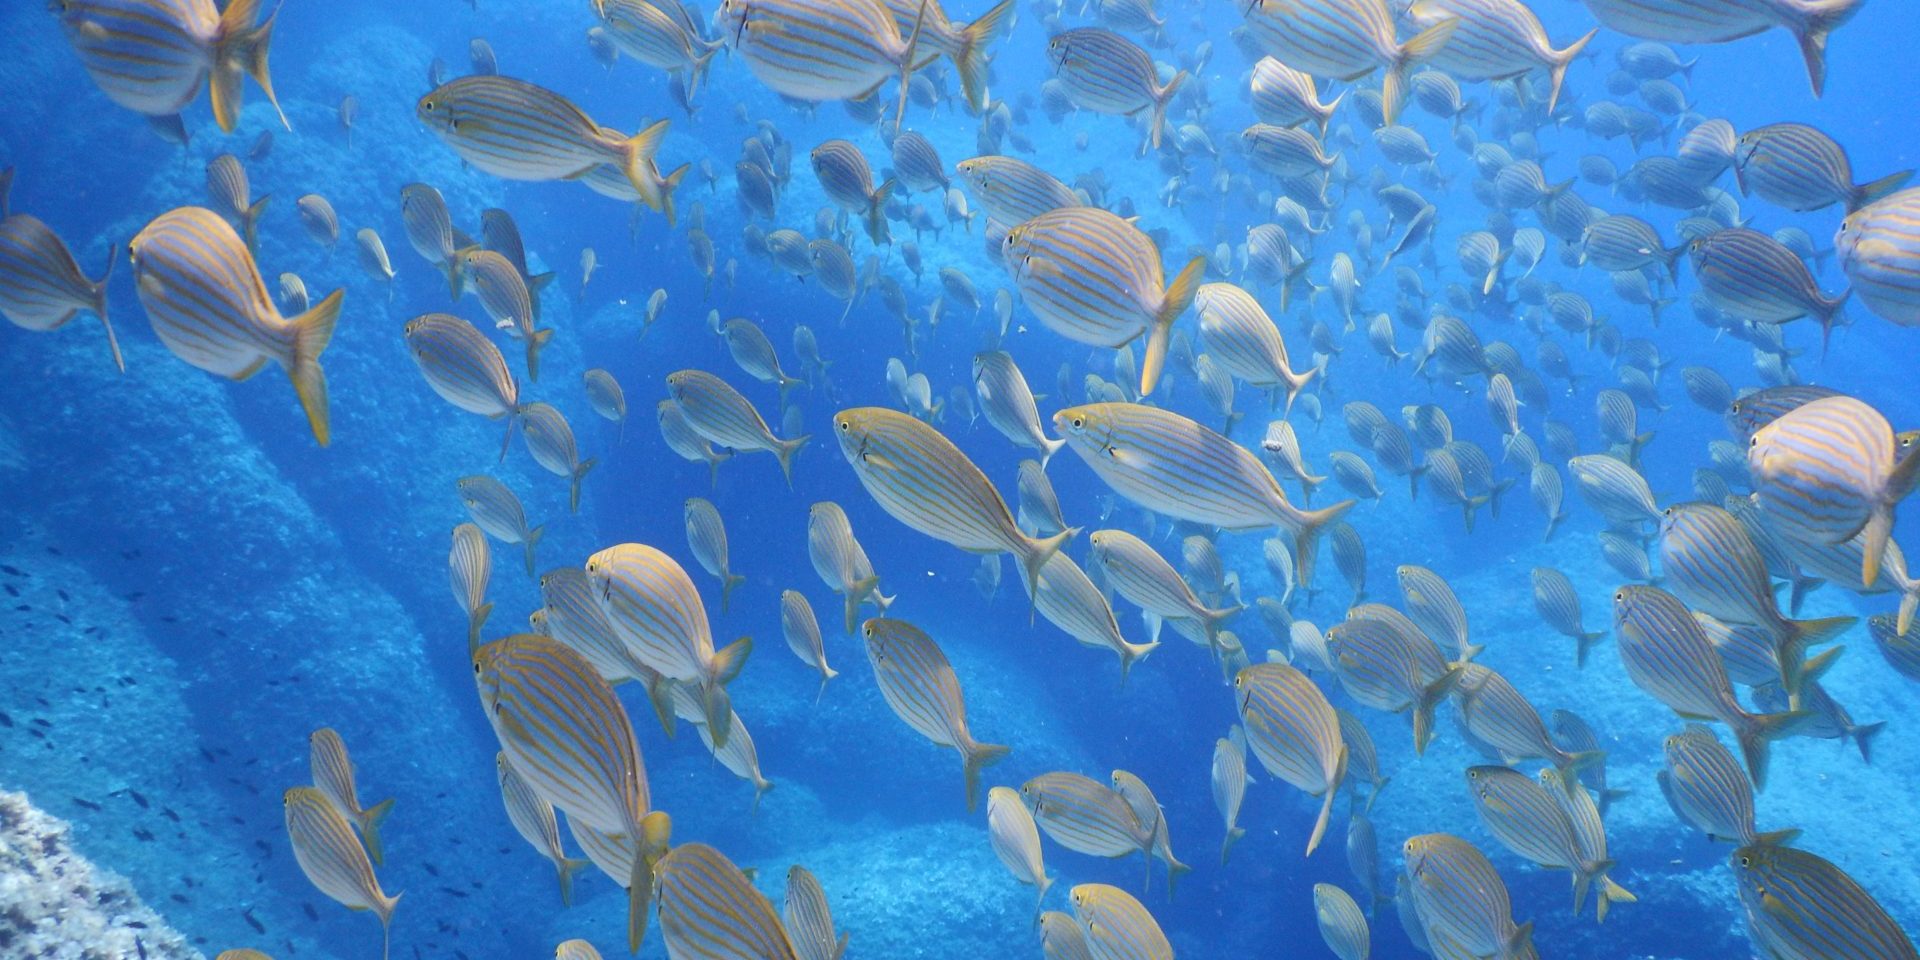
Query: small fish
(1243,340)
(802,633)
(1462,898)
(708,907)
(719,413)
(423,211)
(470,567)
(683,439)
(550,441)
(532,817)
(605,396)
(496,510)
(1229,783)
(1801,168)
(1285,97)
(230,194)
(847,180)
(1558,604)
(808,919)
(319,220)
(1342,925)
(1061,937)
(841,561)
(1116,925)
(656,609)
(464,368)
(819,50)
(332,857)
(1008,403)
(707,540)
(1140,574)
(1104,72)
(1754,276)
(1705,786)
(1015,839)
(921,687)
(1346,38)
(1615,490)
(41,287)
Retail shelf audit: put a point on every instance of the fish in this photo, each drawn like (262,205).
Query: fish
(1140,574)
(1829,470)
(230,194)
(1385,662)
(575,949)
(465,369)
(1558,604)
(496,510)
(470,566)
(1800,906)
(1086,816)
(1461,897)
(1878,246)
(707,540)
(206,301)
(1293,731)
(332,858)
(1668,655)
(1342,925)
(923,480)
(847,180)
(808,919)
(1116,925)
(332,775)
(802,633)
(719,413)
(655,608)
(1286,97)
(1172,465)
(1801,168)
(1615,490)
(508,301)
(153,56)
(41,287)
(1347,40)
(550,441)
(1621,242)
(1527,820)
(1013,191)
(532,817)
(820,50)
(566,734)
(1039,508)
(751,349)
(1706,788)
(683,439)
(521,131)
(423,211)
(373,257)
(1244,341)
(605,396)
(573,615)
(917,163)
(708,907)
(1500,717)
(658,36)
(1015,839)
(1104,72)
(1096,279)
(738,755)
(1708,21)
(1754,276)
(1061,937)
(1228,780)
(841,561)
(1431,603)
(1008,403)
(1591,833)
(319,219)
(920,685)
(1148,812)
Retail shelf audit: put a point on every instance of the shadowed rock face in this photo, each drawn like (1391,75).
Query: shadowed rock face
(55,904)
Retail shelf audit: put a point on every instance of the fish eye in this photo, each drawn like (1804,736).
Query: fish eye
(1619,596)
(1746,861)
(845,426)
(1079,422)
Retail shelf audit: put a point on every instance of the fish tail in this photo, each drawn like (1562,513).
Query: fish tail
(1132,653)
(727,583)
(1610,893)
(1425,704)
(1795,667)
(532,540)
(1909,599)
(977,757)
(660,695)
(1048,448)
(474,623)
(1561,60)
(99,296)
(1158,117)
(1863,736)
(697,74)
(855,595)
(1584,643)
(1472,505)
(728,660)
(250,222)
(1874,536)
(566,867)
(1226,846)
(1756,731)
(875,220)
(450,268)
(384,909)
(1296,382)
(1036,552)
(1777,838)
(1327,117)
(1869,192)
(716,708)
(1571,764)
(636,161)
(1293,276)
(970,59)
(579,474)
(785,449)
(1812,36)
(1672,257)
(241,50)
(312,331)
(1423,47)
(906,65)
(667,190)
(536,341)
(1178,296)
(369,821)
(639,898)
(1519,943)
(1326,800)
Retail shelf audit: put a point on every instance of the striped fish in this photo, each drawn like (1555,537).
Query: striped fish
(1354,475)
(1798,167)
(520,131)
(1879,248)
(1385,662)
(1363,757)
(1718,21)
(1616,491)
(1830,470)
(1526,819)
(1706,788)
(470,567)
(1497,39)
(498,512)
(373,257)
(656,610)
(1711,564)
(1068,599)
(1755,277)
(575,950)
(1746,415)
(923,691)
(1039,509)
(1013,191)
(1838,563)
(1286,152)
(1147,810)
(1286,97)
(152,56)
(917,163)
(550,441)
(808,919)
(738,754)
(207,303)
(1061,938)
(1228,780)
(707,540)
(1008,403)
(504,294)
(1096,279)
(1015,839)
(1172,465)
(464,368)
(802,633)
(841,561)
(754,353)
(1558,604)
(1086,816)
(572,615)
(1146,579)
(963,43)
(659,38)
(232,197)
(1342,925)
(1431,603)
(1498,715)
(719,413)
(1345,40)
(1621,243)
(1294,732)
(1668,655)
(605,396)
(332,775)
(332,858)
(683,439)
(1462,898)
(708,908)
(566,734)
(920,478)
(1591,833)
(423,211)
(1800,906)
(532,817)
(317,216)
(41,287)
(1104,72)
(847,180)
(1244,341)
(824,49)
(1901,650)
(1116,925)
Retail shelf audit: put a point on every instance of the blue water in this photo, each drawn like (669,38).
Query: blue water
(199,586)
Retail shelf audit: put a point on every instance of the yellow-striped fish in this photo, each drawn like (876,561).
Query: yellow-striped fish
(464,368)
(1086,816)
(1229,783)
(470,567)
(333,776)
(1117,926)
(841,561)
(824,49)
(808,919)
(550,441)
(687,442)
(152,56)
(707,539)
(1342,925)
(1095,278)
(1346,40)
(423,211)
(1015,839)
(497,510)
(333,859)
(1147,811)
(207,303)
(1526,819)
(317,216)
(660,38)
(658,612)
(41,287)
(1070,600)
(921,687)
(1008,403)
(231,196)
(708,908)
(1140,574)
(738,754)
(1243,339)
(1294,732)
(1828,470)
(1462,899)
(1061,938)
(533,819)
(575,950)
(719,413)
(605,397)
(374,261)
(920,478)
(802,632)
(1800,906)
(508,302)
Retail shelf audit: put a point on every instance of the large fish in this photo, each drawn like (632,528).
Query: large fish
(1346,40)
(921,687)
(1811,22)
(41,287)
(332,858)
(152,56)
(1879,248)
(825,49)
(1829,470)
(708,908)
(1294,732)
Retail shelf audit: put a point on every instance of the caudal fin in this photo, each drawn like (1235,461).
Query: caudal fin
(369,821)
(1561,60)
(1161,97)
(527,545)
(312,331)
(536,341)
(1393,88)
(579,474)
(1326,800)
(1179,296)
(1756,731)
(1792,655)
(1427,702)
(566,867)
(668,187)
(474,623)
(907,64)
(100,295)
(1036,552)
(1869,192)
(975,758)
(1048,448)
(785,449)
(970,55)
(1610,893)
(250,222)
(241,50)
(727,583)
(1226,846)
(1306,526)
(637,162)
